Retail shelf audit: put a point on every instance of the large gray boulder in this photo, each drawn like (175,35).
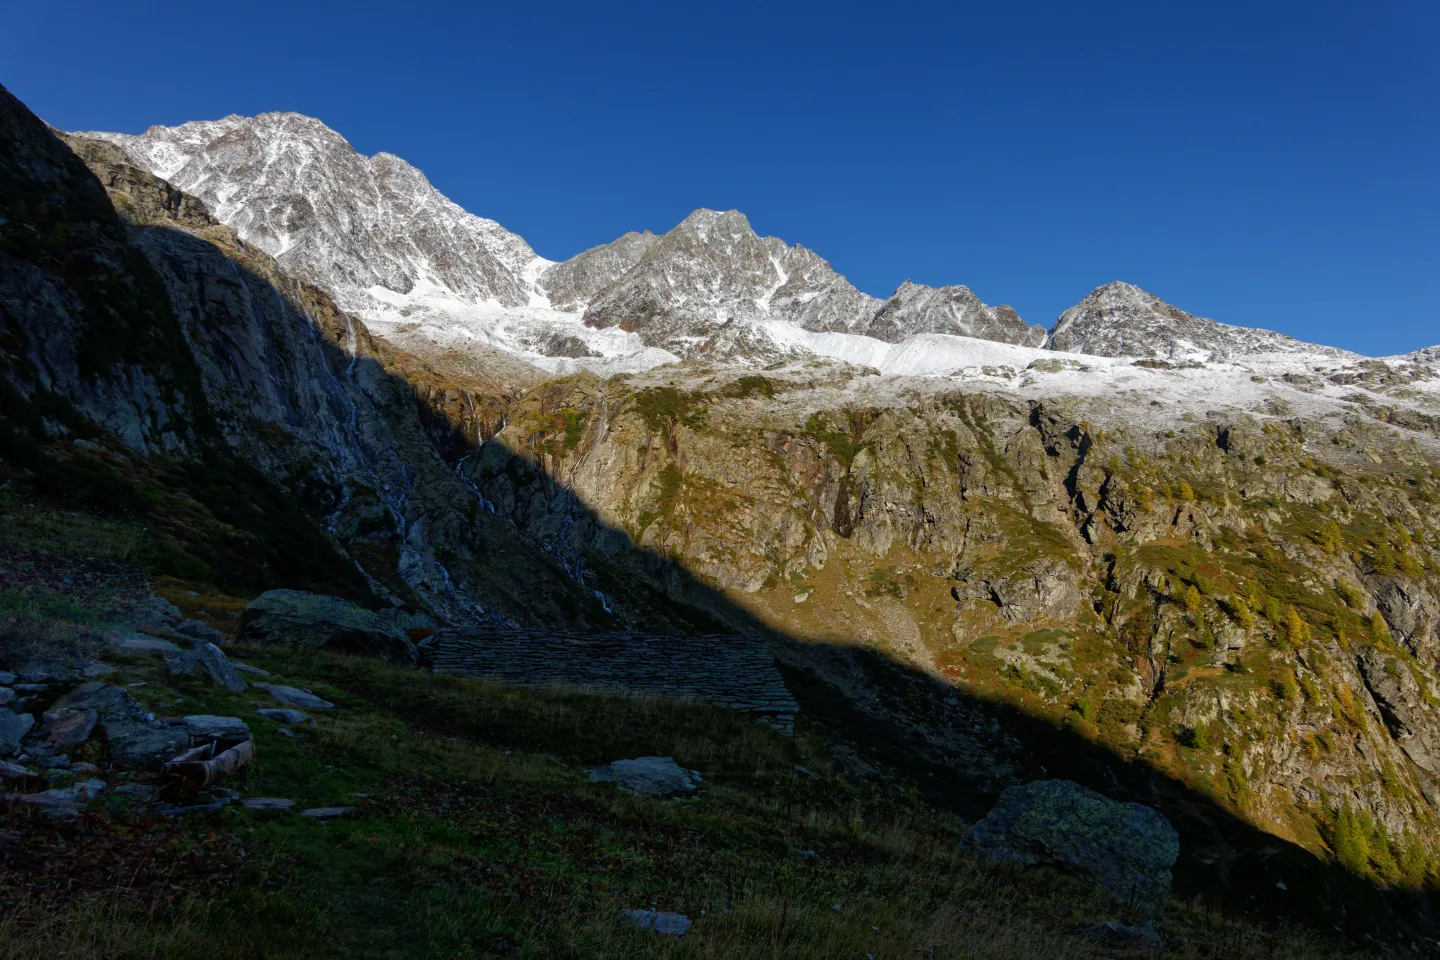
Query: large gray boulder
(1126,848)
(315,620)
(655,776)
(210,660)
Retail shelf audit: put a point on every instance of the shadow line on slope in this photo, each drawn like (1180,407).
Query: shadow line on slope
(1224,859)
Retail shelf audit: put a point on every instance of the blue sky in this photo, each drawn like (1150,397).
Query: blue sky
(1268,164)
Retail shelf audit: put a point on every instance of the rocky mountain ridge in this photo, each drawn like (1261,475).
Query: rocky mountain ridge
(1121,320)
(425,274)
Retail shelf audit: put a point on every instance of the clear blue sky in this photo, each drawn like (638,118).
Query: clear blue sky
(1268,164)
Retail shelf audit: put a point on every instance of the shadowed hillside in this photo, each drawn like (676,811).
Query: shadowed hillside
(160,378)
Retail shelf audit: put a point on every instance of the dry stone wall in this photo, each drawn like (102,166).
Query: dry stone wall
(731,671)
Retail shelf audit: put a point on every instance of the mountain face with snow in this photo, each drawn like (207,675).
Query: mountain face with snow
(376,235)
(691,286)
(358,226)
(432,278)
(1121,320)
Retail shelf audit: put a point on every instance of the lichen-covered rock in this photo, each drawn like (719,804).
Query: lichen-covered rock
(1127,848)
(315,620)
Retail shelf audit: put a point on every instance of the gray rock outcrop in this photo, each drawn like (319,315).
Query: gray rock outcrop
(295,697)
(653,776)
(1126,848)
(210,660)
(13,728)
(314,620)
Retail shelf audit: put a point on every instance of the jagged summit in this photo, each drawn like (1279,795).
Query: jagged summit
(714,267)
(420,270)
(298,190)
(388,246)
(1120,319)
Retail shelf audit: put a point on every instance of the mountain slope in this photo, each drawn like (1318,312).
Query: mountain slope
(1121,320)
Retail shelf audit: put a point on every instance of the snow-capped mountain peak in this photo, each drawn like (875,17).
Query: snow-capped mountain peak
(1120,319)
(298,190)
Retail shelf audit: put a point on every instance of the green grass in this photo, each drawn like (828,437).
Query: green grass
(482,836)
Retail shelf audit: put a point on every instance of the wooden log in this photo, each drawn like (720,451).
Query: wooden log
(196,769)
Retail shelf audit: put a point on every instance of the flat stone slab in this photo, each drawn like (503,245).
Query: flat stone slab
(15,771)
(204,726)
(653,776)
(659,921)
(268,804)
(246,668)
(295,697)
(75,795)
(140,644)
(326,813)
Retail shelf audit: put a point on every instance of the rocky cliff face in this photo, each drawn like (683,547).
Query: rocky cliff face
(1246,602)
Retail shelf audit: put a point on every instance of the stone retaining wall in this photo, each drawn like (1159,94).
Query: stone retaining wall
(732,671)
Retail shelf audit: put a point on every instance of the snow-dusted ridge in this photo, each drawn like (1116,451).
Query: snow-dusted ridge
(421,271)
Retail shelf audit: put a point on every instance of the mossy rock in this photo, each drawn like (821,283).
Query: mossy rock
(314,620)
(1127,848)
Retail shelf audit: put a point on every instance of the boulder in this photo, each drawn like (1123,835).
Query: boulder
(13,728)
(6,696)
(68,729)
(6,678)
(210,660)
(140,644)
(108,701)
(200,632)
(138,743)
(246,668)
(654,776)
(315,620)
(295,697)
(204,726)
(659,921)
(1126,848)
